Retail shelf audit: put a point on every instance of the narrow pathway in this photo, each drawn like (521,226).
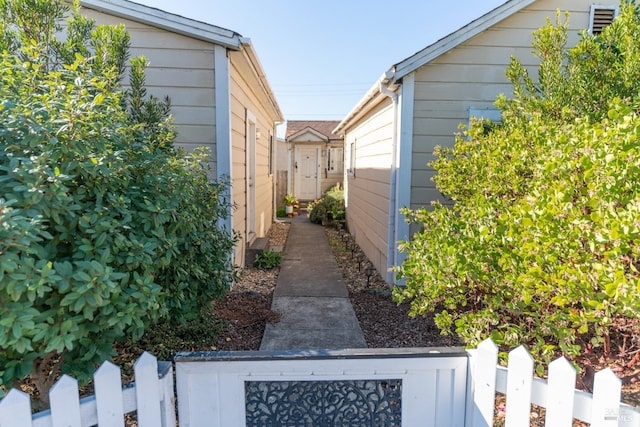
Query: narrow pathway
(311,297)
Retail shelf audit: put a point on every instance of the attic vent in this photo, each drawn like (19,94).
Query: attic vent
(600,17)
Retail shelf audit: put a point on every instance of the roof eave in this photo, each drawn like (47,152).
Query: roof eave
(371,94)
(458,37)
(165,20)
(262,77)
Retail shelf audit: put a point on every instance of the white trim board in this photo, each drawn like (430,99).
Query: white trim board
(165,20)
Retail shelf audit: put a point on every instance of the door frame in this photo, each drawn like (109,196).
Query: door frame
(297,174)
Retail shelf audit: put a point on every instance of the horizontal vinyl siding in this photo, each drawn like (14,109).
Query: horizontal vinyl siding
(238,171)
(181,68)
(180,78)
(198,58)
(368,190)
(472,75)
(243,98)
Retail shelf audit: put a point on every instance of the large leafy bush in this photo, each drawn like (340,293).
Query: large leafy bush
(104,227)
(542,245)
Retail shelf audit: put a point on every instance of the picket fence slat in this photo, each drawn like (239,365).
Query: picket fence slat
(15,410)
(147,390)
(607,388)
(109,399)
(518,407)
(65,403)
(561,384)
(486,358)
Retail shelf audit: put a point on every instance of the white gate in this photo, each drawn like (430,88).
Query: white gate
(365,387)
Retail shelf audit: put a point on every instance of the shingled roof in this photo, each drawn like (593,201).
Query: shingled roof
(325,127)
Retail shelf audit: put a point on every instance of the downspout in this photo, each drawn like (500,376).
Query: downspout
(393,180)
(289,167)
(273,134)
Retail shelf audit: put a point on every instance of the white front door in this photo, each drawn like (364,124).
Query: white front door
(307,173)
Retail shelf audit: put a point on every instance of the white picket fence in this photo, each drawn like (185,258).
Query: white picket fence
(558,395)
(152,395)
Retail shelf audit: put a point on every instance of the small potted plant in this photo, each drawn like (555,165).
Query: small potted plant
(289,201)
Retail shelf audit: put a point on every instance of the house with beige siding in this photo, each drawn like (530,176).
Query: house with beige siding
(418,104)
(316,157)
(220,99)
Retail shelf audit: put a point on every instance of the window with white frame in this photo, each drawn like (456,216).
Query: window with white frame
(335,157)
(494,115)
(600,17)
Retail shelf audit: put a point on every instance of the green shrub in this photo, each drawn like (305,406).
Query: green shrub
(105,228)
(281,212)
(541,246)
(268,260)
(329,208)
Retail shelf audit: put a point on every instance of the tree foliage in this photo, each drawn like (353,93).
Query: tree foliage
(542,245)
(104,227)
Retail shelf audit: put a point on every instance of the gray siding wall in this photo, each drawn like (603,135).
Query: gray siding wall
(183,69)
(471,76)
(367,190)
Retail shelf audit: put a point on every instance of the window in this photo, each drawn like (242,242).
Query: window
(335,159)
(352,159)
(600,17)
(494,115)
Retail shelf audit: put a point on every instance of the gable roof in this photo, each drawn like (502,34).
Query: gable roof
(167,21)
(322,128)
(397,71)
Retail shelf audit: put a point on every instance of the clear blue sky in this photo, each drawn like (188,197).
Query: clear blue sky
(321,57)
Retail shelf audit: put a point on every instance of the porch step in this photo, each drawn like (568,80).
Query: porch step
(259,245)
(304,204)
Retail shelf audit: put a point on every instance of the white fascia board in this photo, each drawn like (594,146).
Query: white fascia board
(167,21)
(458,37)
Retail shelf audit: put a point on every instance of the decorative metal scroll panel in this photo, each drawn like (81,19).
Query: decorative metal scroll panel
(348,403)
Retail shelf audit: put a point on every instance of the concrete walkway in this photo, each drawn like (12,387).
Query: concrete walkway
(311,297)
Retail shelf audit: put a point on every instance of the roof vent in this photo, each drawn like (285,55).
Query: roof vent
(600,17)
